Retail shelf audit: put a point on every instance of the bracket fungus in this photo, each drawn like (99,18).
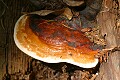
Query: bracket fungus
(50,41)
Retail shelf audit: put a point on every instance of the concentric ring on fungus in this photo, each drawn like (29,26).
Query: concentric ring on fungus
(51,42)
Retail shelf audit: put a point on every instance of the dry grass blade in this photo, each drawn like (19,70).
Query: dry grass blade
(1,22)
(4,3)
(4,6)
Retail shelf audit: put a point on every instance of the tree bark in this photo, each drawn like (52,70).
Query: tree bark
(12,60)
(108,21)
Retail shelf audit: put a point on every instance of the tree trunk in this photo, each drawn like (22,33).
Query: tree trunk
(12,60)
(108,20)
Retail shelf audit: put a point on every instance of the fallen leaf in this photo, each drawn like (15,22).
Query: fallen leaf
(66,12)
(73,2)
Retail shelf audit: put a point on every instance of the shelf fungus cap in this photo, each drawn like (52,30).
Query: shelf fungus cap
(52,42)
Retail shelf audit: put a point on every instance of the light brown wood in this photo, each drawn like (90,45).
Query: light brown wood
(107,20)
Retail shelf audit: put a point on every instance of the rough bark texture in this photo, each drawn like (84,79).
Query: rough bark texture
(12,60)
(108,21)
